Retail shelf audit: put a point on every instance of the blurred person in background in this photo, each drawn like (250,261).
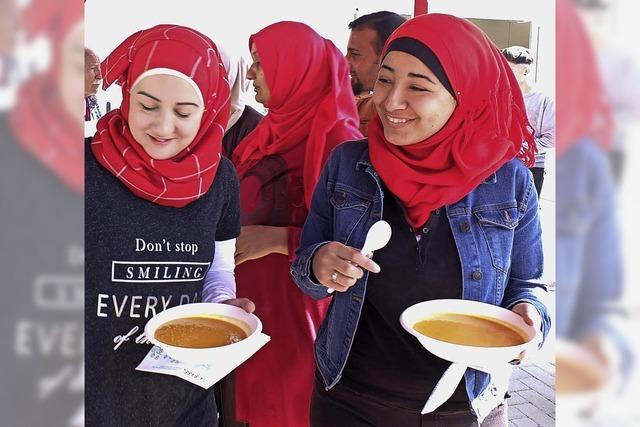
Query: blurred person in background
(303,79)
(590,284)
(92,79)
(9,21)
(368,35)
(445,165)
(540,109)
(620,72)
(41,231)
(155,173)
(243,118)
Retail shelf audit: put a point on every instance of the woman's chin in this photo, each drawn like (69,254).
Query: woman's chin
(396,138)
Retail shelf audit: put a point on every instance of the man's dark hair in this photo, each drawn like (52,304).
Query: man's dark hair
(383,23)
(518,55)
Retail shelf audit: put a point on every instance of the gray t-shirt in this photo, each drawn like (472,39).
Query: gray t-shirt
(541,112)
(142,258)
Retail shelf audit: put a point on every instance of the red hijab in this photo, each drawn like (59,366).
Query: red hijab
(582,110)
(485,131)
(311,100)
(187,176)
(40,122)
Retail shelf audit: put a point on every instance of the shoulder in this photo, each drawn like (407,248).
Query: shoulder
(511,182)
(226,174)
(515,172)
(583,158)
(540,97)
(515,180)
(251,115)
(514,168)
(351,150)
(93,169)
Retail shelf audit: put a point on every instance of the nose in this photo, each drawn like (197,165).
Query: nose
(349,59)
(395,100)
(164,125)
(98,73)
(251,75)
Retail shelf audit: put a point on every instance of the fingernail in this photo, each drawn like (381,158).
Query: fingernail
(376,267)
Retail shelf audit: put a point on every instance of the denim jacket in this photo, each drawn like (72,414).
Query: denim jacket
(590,291)
(497,232)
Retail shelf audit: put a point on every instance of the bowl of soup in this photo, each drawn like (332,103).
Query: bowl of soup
(468,332)
(201,331)
(581,380)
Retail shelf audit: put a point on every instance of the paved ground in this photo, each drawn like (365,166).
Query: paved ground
(532,390)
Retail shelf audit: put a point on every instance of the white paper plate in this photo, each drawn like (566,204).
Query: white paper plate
(571,406)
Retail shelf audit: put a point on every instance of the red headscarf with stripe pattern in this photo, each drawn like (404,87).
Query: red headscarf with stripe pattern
(488,127)
(187,176)
(41,124)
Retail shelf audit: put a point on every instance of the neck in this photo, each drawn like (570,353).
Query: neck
(525,88)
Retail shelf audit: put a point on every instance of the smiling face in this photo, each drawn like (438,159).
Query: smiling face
(363,59)
(164,115)
(412,103)
(256,74)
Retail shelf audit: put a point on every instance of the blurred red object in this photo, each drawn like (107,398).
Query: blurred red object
(582,109)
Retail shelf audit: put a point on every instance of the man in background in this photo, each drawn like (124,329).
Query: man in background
(8,34)
(366,40)
(540,109)
(92,79)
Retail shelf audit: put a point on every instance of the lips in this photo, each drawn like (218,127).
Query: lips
(160,141)
(397,122)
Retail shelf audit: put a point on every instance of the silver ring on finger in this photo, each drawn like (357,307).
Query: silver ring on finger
(334,276)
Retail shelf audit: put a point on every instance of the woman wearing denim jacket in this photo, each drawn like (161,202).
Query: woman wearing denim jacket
(440,166)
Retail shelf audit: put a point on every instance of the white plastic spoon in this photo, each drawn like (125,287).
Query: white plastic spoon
(377,238)
(445,387)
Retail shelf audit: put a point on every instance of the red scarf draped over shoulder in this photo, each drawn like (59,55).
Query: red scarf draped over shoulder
(311,101)
(488,127)
(187,176)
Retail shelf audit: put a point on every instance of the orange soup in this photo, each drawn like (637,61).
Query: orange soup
(471,330)
(574,377)
(199,332)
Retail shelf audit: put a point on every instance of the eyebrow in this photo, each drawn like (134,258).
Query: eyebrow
(158,100)
(420,76)
(188,103)
(141,92)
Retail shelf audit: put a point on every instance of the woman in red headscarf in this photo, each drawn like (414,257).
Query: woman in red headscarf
(446,167)
(303,80)
(42,215)
(159,196)
(591,287)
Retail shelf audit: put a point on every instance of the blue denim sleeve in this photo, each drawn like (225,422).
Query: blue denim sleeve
(527,259)
(601,306)
(315,233)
